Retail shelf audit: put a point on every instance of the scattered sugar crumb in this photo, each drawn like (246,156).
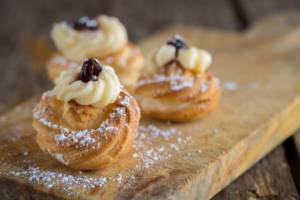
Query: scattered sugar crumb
(52,179)
(119,178)
(230,85)
(176,82)
(153,131)
(168,140)
(203,87)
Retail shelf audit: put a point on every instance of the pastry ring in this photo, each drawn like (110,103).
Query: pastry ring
(89,136)
(181,89)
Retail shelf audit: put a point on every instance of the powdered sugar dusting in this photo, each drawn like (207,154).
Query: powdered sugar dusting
(203,87)
(152,131)
(156,146)
(176,82)
(179,84)
(168,141)
(84,138)
(230,85)
(233,85)
(51,179)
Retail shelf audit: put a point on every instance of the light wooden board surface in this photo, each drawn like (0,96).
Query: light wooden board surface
(260,107)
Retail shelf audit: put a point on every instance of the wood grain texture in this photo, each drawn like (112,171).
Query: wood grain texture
(277,27)
(259,183)
(251,12)
(19,49)
(285,24)
(256,115)
(26,17)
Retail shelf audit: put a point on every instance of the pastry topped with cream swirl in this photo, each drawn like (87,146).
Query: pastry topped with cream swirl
(79,41)
(104,38)
(94,84)
(181,89)
(192,58)
(88,121)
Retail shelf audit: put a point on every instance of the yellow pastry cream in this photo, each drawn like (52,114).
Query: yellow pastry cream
(182,88)
(192,58)
(88,121)
(102,37)
(101,91)
(96,42)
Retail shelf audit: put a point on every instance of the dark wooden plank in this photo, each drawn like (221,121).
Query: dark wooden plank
(297,141)
(294,157)
(255,10)
(269,179)
(234,161)
(146,17)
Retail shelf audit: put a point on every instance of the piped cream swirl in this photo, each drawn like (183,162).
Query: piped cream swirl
(97,93)
(77,45)
(197,60)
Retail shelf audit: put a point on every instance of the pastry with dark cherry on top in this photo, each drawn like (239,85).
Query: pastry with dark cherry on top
(104,38)
(88,121)
(181,88)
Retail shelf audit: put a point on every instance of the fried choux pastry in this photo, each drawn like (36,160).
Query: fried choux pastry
(181,88)
(104,38)
(88,121)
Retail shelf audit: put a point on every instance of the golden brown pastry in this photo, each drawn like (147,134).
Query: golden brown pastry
(88,121)
(181,89)
(104,38)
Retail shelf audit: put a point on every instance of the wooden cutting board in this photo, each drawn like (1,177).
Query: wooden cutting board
(260,107)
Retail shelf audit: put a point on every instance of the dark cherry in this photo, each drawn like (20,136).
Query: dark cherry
(178,42)
(90,70)
(85,23)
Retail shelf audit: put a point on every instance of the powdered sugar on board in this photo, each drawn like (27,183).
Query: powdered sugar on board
(156,145)
(233,85)
(52,179)
(168,142)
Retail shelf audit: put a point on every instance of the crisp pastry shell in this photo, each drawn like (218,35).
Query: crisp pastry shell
(94,150)
(158,101)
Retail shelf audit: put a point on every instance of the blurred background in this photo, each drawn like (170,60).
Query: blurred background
(25,26)
(24,34)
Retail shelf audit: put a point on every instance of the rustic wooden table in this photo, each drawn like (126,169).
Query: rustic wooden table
(275,177)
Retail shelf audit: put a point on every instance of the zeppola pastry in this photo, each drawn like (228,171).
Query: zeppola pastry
(181,88)
(88,121)
(104,38)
